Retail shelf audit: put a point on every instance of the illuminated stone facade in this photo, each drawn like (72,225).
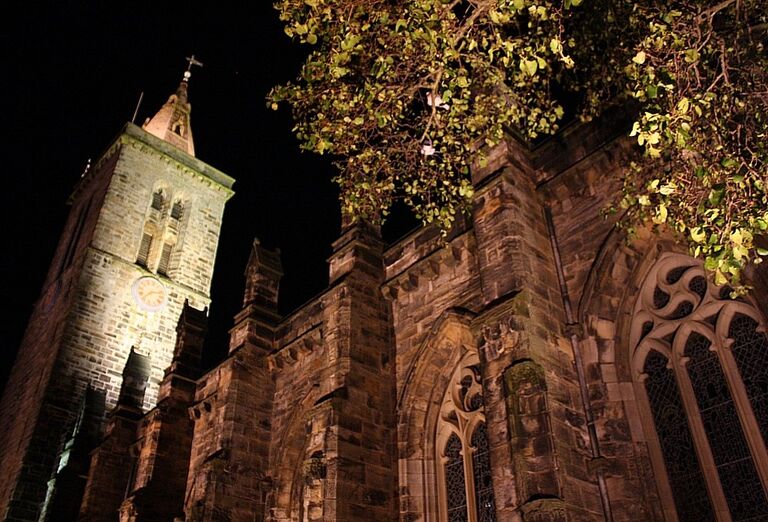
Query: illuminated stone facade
(535,367)
(507,375)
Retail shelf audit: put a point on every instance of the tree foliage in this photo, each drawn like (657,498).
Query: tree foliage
(407,95)
(700,73)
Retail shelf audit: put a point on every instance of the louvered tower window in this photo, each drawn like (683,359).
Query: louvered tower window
(165,259)
(158,199)
(146,245)
(177,210)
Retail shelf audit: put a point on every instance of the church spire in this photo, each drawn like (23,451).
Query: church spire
(172,122)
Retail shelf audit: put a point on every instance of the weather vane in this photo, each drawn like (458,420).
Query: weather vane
(192,62)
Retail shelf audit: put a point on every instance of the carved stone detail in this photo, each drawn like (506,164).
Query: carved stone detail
(544,510)
(499,339)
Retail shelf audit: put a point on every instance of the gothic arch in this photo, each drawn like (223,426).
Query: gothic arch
(419,407)
(690,346)
(610,290)
(641,304)
(605,314)
(288,461)
(463,466)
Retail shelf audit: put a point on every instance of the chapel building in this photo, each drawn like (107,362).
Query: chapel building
(535,366)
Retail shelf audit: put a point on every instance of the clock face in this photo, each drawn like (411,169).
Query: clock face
(149,293)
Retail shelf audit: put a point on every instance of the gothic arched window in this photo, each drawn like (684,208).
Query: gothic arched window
(463,453)
(702,359)
(177,210)
(158,200)
(161,241)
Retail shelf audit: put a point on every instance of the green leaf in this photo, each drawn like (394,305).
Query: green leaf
(698,235)
(661,215)
(529,66)
(667,189)
(720,279)
(639,58)
(737,237)
(715,196)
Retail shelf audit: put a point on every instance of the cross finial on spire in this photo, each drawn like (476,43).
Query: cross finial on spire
(192,61)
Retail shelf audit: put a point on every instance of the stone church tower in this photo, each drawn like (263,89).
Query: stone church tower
(140,240)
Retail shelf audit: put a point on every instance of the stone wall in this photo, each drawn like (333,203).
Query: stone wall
(34,424)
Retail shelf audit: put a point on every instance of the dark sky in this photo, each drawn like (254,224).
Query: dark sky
(71,75)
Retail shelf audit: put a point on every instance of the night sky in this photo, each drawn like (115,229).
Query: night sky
(71,76)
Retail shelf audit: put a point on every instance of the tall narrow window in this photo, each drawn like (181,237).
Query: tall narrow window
(133,470)
(165,259)
(750,349)
(158,200)
(455,485)
(705,373)
(735,466)
(481,468)
(177,210)
(144,248)
(464,465)
(685,477)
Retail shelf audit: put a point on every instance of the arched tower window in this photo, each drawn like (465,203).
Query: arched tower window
(702,359)
(160,244)
(463,453)
(158,200)
(145,247)
(164,265)
(177,210)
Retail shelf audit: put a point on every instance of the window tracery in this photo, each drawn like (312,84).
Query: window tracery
(464,466)
(702,359)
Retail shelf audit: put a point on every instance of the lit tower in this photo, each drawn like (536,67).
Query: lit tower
(140,239)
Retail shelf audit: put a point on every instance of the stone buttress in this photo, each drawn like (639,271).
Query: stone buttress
(233,407)
(139,470)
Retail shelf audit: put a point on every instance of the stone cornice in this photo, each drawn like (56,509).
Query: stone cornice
(142,140)
(189,164)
